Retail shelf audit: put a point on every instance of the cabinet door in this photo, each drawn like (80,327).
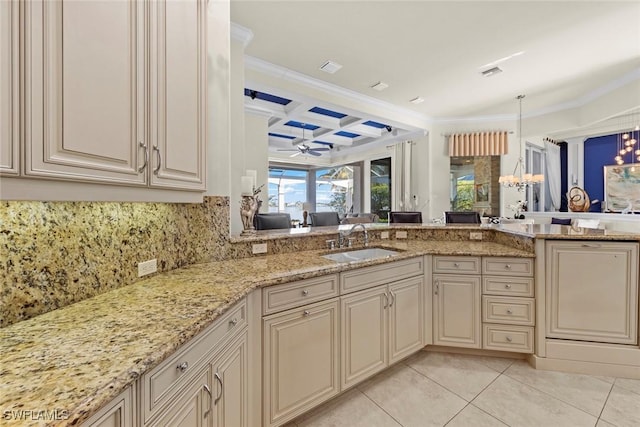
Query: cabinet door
(231,393)
(118,413)
(84,90)
(178,93)
(456,311)
(364,334)
(193,407)
(592,291)
(301,360)
(405,318)
(9,60)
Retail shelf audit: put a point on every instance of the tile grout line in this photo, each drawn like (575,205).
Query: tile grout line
(381,408)
(557,398)
(605,402)
(481,391)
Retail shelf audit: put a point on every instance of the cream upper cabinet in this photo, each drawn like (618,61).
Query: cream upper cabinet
(592,291)
(9,90)
(178,93)
(301,364)
(457,304)
(94,80)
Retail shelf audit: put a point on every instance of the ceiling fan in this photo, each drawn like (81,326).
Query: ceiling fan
(305,149)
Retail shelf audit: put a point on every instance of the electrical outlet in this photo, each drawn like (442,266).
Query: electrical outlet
(259,248)
(475,236)
(401,234)
(147,267)
(384,235)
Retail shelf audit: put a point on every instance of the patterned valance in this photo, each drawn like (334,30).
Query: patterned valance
(479,144)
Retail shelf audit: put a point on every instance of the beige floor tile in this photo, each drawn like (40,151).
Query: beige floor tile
(353,409)
(622,408)
(412,399)
(582,391)
(517,404)
(464,375)
(472,416)
(629,384)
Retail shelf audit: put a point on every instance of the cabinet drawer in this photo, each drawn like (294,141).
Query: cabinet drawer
(513,311)
(507,266)
(508,338)
(161,383)
(290,295)
(456,264)
(380,274)
(510,286)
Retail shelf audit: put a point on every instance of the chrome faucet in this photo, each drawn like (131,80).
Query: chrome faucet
(344,235)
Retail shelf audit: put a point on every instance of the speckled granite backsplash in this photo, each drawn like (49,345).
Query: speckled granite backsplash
(55,253)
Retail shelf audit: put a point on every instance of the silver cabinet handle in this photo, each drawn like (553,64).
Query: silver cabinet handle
(305,292)
(306,313)
(508,286)
(182,367)
(393,298)
(509,338)
(437,287)
(146,156)
(217,377)
(386,300)
(591,245)
(157,150)
(233,322)
(208,390)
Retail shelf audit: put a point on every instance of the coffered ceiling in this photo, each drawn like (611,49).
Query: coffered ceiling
(558,53)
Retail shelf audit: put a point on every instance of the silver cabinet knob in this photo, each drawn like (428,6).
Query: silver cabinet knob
(508,266)
(456,265)
(306,313)
(233,322)
(182,367)
(508,286)
(509,311)
(305,292)
(509,338)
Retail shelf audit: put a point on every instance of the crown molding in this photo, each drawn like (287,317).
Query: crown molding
(241,34)
(277,71)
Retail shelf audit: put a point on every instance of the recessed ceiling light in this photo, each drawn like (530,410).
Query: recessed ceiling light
(330,67)
(491,72)
(417,100)
(380,86)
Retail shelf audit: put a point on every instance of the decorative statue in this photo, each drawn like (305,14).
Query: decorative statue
(249,206)
(578,200)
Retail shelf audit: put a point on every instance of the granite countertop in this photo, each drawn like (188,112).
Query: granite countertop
(566,232)
(77,358)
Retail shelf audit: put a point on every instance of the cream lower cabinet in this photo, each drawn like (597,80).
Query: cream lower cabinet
(301,364)
(379,327)
(457,320)
(97,73)
(120,412)
(193,407)
(9,88)
(592,291)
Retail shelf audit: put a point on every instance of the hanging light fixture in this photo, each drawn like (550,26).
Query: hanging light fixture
(519,179)
(627,142)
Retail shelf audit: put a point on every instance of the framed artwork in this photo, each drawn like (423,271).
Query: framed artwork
(482,192)
(622,188)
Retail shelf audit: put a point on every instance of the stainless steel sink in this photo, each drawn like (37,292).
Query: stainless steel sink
(360,255)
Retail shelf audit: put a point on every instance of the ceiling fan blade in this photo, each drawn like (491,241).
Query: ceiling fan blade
(314,153)
(295,154)
(285,149)
(321,149)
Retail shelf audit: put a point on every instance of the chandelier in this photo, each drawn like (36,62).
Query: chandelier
(519,179)
(626,144)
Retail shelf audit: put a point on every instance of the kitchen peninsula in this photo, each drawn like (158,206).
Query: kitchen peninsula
(79,358)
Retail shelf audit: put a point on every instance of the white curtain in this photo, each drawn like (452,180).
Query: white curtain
(552,164)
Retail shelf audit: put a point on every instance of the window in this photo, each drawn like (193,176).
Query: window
(381,188)
(335,189)
(462,183)
(287,191)
(534,164)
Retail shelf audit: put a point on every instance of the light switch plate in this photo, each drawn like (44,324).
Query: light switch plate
(384,235)
(259,248)
(147,267)
(475,236)
(401,234)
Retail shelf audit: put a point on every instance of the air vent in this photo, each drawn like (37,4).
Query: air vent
(492,71)
(417,100)
(380,86)
(330,67)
